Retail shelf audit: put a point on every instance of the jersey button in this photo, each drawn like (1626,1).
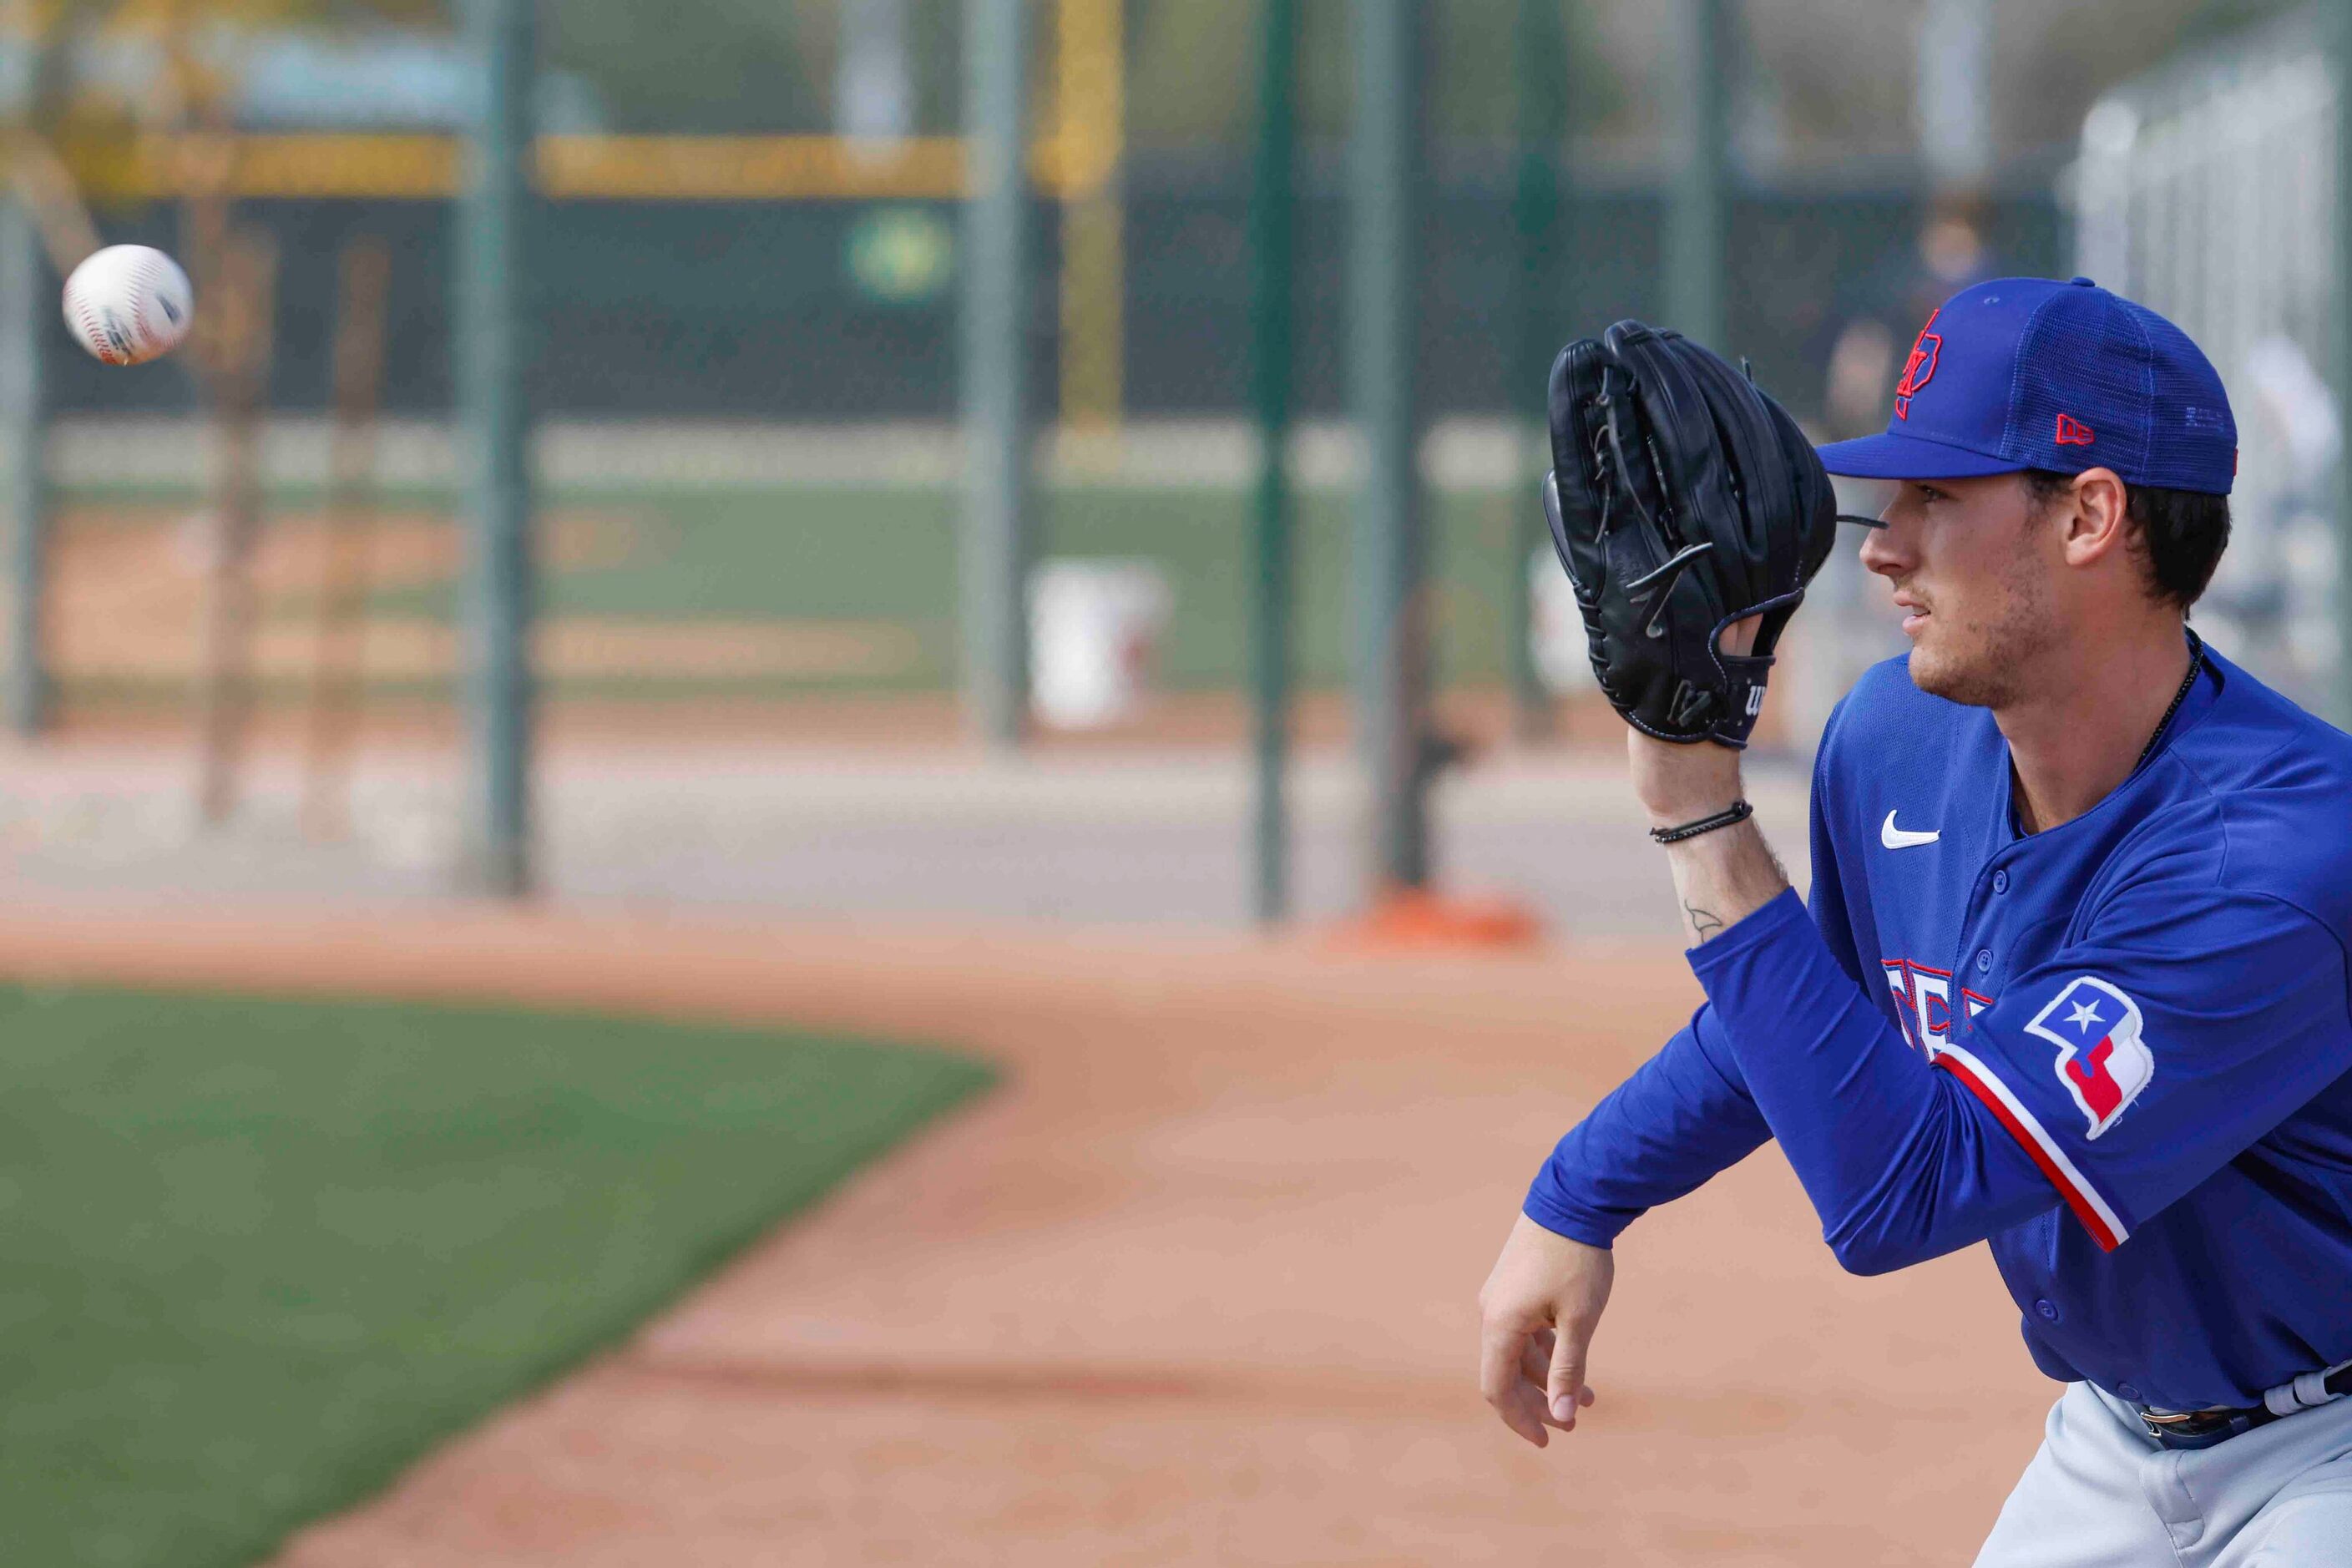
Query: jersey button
(2127,1392)
(2048,1309)
(2001,881)
(1984,959)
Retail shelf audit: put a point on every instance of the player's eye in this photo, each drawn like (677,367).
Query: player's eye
(1930,493)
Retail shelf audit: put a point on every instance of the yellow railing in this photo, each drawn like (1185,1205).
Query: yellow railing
(1076,163)
(424,167)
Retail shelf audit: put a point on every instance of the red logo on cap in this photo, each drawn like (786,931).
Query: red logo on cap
(1920,368)
(2072,432)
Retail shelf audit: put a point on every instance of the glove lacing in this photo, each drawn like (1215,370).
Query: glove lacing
(1610,480)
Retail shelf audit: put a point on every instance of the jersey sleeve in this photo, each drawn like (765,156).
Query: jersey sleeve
(1682,1117)
(1899,1161)
(2180,1028)
(1686,1115)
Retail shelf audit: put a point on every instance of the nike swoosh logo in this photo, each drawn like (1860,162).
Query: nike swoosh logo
(1896,838)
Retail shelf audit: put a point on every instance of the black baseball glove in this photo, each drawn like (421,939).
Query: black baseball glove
(1681,499)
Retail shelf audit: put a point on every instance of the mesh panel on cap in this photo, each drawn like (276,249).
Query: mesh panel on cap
(2128,387)
(2193,439)
(2085,361)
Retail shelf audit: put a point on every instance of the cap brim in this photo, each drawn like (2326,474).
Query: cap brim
(1892,457)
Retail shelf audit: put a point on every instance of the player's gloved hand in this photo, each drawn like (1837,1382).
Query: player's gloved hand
(1682,501)
(1539,1310)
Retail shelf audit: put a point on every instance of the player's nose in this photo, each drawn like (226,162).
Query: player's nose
(1887,550)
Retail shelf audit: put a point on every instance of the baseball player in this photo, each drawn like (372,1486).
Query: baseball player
(2073,979)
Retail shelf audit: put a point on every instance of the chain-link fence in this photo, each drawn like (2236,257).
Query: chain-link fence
(743,354)
(750,451)
(2207,190)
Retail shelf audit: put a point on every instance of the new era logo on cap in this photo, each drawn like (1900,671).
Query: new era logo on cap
(2027,373)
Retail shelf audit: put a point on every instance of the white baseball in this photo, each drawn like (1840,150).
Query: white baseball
(129,303)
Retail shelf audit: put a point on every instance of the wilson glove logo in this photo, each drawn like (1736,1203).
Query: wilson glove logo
(1691,706)
(2102,1058)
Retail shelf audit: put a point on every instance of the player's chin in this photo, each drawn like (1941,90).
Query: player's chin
(1936,673)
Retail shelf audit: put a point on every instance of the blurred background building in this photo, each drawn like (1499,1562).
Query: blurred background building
(1843,112)
(741,349)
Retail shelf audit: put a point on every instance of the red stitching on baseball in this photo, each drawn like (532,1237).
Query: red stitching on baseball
(93,331)
(142,280)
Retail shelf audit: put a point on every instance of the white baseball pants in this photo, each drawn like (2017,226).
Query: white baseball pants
(2102,1494)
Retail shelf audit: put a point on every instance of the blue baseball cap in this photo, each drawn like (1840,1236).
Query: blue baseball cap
(2027,373)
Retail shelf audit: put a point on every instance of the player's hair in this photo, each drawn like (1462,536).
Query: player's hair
(2179,535)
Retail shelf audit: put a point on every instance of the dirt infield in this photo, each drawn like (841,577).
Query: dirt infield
(1196,1287)
(129,584)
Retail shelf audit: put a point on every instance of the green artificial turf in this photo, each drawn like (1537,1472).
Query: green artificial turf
(867,553)
(255,1254)
(882,553)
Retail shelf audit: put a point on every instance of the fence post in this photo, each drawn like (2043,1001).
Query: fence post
(2339,17)
(1391,619)
(26,318)
(1273,224)
(494,423)
(1537,322)
(994,548)
(1089,141)
(1695,214)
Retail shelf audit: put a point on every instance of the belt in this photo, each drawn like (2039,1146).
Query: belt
(2218,1423)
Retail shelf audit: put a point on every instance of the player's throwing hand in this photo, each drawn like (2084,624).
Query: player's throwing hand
(1539,1307)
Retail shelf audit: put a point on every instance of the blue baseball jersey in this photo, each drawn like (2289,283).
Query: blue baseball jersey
(2120,1050)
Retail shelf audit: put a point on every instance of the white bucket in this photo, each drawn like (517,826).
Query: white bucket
(1555,627)
(1094,639)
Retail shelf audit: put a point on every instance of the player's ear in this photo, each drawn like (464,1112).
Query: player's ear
(2096,516)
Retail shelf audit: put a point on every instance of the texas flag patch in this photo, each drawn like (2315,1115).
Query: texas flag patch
(2102,1058)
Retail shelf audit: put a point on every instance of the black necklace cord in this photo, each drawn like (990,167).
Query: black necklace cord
(2187,684)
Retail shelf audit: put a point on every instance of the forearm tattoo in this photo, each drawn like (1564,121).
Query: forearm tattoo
(1722,878)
